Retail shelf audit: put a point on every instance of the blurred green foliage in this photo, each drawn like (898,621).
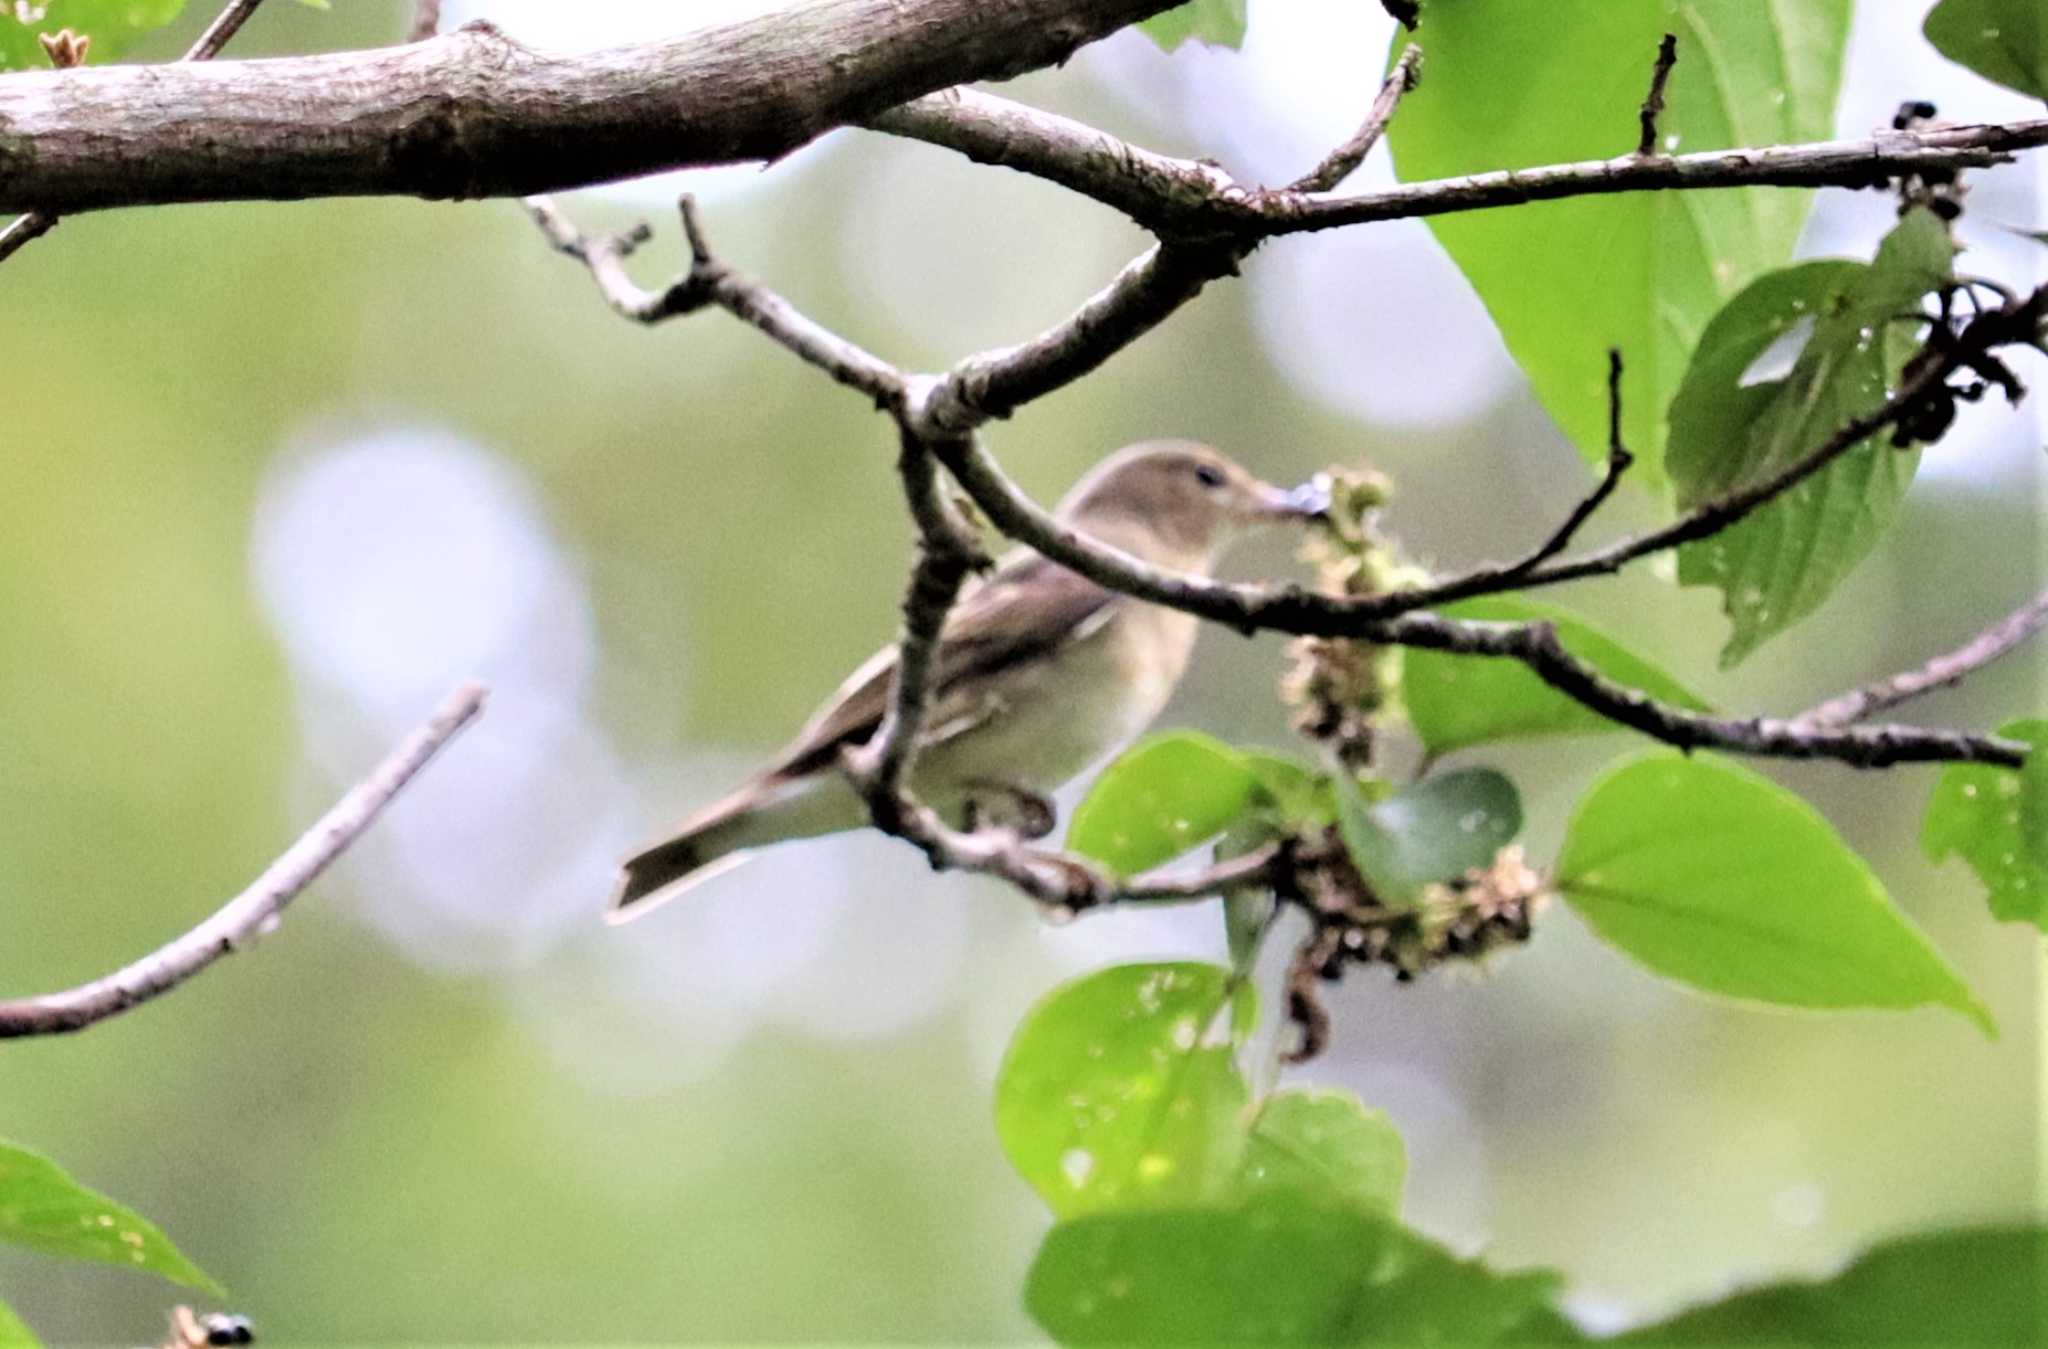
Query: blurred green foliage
(367,1147)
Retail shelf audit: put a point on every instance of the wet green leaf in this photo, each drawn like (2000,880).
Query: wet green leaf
(44,1209)
(1736,423)
(1978,812)
(1455,701)
(1431,831)
(2002,40)
(1719,878)
(1164,796)
(1327,1143)
(1120,1089)
(1984,1286)
(1275,1268)
(1508,84)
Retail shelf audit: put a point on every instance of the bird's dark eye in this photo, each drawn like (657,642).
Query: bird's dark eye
(1208,475)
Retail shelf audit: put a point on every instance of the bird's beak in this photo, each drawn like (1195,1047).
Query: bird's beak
(1310,501)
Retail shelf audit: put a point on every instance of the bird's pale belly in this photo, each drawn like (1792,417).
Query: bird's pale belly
(1092,699)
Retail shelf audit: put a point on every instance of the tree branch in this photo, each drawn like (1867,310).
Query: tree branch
(1939,672)
(1343,161)
(257,909)
(35,224)
(474,114)
(1653,102)
(1151,188)
(1852,163)
(1619,461)
(711,282)
(1290,609)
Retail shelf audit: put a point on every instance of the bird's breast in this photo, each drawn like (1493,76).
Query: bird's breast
(1085,701)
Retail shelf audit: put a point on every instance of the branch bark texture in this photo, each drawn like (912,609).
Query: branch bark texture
(475,114)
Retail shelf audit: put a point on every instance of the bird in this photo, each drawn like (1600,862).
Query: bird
(1039,674)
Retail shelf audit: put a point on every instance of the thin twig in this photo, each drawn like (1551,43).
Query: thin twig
(1343,161)
(1535,645)
(1940,672)
(33,225)
(1653,102)
(1619,460)
(426,20)
(1253,870)
(225,25)
(947,552)
(257,909)
(939,420)
(710,282)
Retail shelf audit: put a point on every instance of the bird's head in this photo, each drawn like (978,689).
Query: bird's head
(1179,504)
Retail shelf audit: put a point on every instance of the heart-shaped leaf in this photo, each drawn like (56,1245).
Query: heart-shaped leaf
(1166,795)
(1432,831)
(1120,1089)
(1719,878)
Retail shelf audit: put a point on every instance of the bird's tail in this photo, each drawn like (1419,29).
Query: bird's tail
(724,834)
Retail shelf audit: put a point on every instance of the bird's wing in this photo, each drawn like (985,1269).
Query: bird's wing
(983,636)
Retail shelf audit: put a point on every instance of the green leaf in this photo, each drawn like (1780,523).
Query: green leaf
(1454,701)
(1327,1143)
(112,25)
(1164,796)
(1721,879)
(2002,40)
(1778,565)
(1220,23)
(1114,1091)
(45,1210)
(1291,790)
(1431,831)
(1979,812)
(14,1333)
(1275,1268)
(1983,1286)
(1508,84)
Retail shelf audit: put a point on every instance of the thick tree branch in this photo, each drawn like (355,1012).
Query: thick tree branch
(1940,672)
(257,909)
(474,114)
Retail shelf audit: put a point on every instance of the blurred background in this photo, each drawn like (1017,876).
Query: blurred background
(279,476)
